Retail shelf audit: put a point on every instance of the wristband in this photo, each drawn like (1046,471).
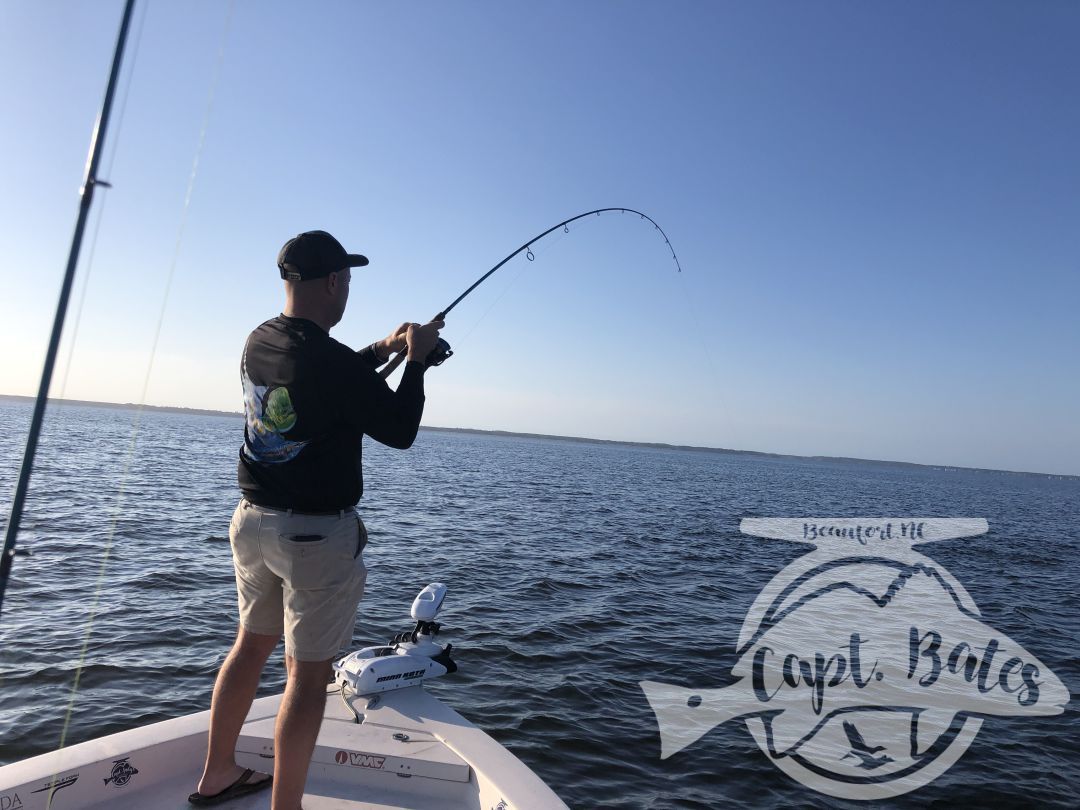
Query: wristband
(378,356)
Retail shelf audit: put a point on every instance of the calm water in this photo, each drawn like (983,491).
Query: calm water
(575,571)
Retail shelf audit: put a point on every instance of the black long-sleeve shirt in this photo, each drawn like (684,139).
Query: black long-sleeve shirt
(308,401)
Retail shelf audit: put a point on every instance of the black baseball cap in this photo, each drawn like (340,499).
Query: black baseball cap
(315,254)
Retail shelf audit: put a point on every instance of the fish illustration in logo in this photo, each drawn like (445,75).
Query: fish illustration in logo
(121,773)
(278,413)
(864,667)
(269,413)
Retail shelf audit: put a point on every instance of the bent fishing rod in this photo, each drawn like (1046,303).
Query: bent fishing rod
(442,350)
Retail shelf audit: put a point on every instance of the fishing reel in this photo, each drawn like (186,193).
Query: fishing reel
(439,354)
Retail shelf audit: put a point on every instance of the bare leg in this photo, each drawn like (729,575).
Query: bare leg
(233,693)
(298,722)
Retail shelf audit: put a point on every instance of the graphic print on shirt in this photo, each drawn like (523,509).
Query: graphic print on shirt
(269,413)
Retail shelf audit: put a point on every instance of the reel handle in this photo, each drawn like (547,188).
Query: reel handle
(433,359)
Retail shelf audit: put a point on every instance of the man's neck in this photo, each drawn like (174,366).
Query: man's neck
(293,311)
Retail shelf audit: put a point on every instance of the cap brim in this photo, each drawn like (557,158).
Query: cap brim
(356,260)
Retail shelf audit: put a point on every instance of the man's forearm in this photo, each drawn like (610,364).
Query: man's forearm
(376,354)
(395,423)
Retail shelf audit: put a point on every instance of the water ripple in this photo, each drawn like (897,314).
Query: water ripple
(575,571)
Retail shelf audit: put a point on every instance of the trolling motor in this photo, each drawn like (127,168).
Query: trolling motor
(409,659)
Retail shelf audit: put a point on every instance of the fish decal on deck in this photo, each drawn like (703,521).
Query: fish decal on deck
(121,773)
(865,669)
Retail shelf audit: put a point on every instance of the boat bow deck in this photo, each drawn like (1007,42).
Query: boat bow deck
(410,752)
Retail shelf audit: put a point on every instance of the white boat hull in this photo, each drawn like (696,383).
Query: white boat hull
(410,751)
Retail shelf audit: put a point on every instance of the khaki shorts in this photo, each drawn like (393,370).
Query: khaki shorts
(300,575)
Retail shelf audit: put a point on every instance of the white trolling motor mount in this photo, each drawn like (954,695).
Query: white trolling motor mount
(409,659)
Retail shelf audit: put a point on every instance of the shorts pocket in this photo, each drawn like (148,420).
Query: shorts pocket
(234,521)
(361,539)
(306,540)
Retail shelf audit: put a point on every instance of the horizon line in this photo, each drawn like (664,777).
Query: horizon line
(586,439)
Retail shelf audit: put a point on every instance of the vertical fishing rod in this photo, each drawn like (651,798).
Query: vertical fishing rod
(86,195)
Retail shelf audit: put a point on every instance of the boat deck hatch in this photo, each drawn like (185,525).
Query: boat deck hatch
(351,751)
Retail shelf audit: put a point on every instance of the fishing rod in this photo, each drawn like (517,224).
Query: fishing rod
(442,350)
(86,196)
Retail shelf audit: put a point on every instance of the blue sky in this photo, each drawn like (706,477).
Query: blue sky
(875,206)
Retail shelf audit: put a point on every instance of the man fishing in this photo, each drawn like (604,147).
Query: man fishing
(296,538)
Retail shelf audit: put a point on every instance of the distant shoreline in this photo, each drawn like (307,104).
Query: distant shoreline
(123,406)
(576,439)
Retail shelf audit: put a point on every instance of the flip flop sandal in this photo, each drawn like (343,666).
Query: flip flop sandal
(241,787)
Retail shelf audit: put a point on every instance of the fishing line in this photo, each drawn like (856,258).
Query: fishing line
(101,210)
(137,420)
(697,326)
(187,197)
(513,281)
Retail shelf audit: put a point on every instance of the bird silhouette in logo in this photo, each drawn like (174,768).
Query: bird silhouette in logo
(864,752)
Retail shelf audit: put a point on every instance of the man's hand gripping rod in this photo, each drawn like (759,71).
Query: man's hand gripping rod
(435,357)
